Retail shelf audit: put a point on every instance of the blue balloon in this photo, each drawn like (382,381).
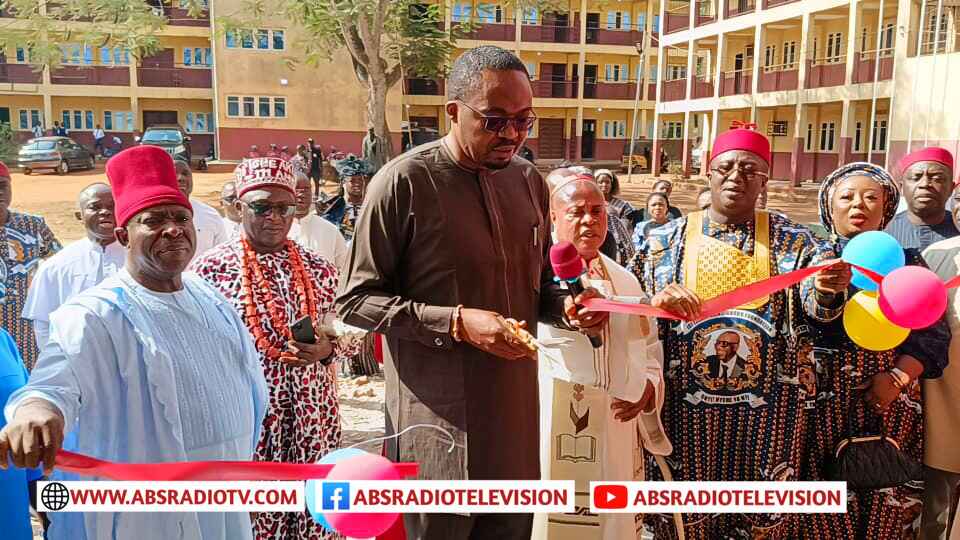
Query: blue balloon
(312,485)
(874,250)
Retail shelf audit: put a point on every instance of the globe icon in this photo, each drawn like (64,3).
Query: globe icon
(55,496)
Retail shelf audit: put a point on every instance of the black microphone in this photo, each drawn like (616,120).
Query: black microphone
(568,267)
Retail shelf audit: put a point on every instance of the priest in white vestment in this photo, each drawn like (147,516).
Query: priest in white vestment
(599,407)
(80,265)
(153,364)
(315,233)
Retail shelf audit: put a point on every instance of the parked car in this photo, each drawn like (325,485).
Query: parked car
(640,147)
(58,153)
(174,140)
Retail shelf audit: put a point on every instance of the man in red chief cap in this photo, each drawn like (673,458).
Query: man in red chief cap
(926,180)
(128,364)
(739,419)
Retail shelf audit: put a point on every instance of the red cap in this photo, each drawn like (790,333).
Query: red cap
(933,153)
(142,177)
(566,261)
(4,171)
(267,171)
(742,139)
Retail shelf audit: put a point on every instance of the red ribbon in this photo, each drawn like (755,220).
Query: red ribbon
(729,300)
(201,470)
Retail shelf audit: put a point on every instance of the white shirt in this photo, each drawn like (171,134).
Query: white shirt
(210,228)
(232,228)
(37,131)
(317,234)
(98,134)
(131,368)
(72,270)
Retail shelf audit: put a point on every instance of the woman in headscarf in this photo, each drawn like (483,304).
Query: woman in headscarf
(862,392)
(616,207)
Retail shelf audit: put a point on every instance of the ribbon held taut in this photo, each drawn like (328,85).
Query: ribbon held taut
(729,300)
(202,470)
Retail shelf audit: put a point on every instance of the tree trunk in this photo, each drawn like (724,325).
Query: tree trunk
(377,110)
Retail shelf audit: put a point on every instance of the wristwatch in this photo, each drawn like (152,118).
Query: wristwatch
(900,378)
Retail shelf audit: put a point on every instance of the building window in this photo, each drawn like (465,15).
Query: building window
(263,39)
(278,40)
(21,54)
(863,40)
(770,56)
(616,72)
(118,120)
(834,45)
(461,13)
(814,48)
(654,73)
(532,70)
(199,56)
(776,128)
(614,129)
(618,20)
(231,40)
(108,120)
(809,140)
(858,137)
(88,119)
(246,39)
(676,72)
(489,13)
(30,118)
(673,130)
(199,122)
(233,106)
(77,119)
(879,135)
(827,130)
(253,106)
(656,24)
(531,15)
(886,38)
(789,54)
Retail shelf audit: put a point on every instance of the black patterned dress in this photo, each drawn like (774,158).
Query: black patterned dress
(885,514)
(302,423)
(737,384)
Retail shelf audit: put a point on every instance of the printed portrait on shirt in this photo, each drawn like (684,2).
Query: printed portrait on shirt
(727,358)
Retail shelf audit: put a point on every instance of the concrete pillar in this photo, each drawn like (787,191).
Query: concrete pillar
(847,120)
(685,149)
(797,154)
(655,151)
(854,17)
(799,124)
(758,55)
(47,106)
(689,84)
(718,76)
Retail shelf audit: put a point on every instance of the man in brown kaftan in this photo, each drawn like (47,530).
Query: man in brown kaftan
(455,238)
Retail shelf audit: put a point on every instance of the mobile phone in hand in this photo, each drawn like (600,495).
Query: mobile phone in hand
(302,331)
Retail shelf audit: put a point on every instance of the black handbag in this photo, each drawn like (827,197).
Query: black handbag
(872,462)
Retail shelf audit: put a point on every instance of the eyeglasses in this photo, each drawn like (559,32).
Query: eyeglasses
(747,172)
(496,124)
(230,199)
(262,209)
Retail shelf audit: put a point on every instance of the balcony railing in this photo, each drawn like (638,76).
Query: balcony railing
(739,7)
(554,89)
(19,74)
(181,17)
(702,88)
(778,78)
(825,72)
(541,33)
(609,36)
(674,90)
(175,77)
(652,91)
(865,66)
(617,90)
(706,13)
(95,75)
(774,3)
(733,83)
(423,87)
(675,22)
(505,31)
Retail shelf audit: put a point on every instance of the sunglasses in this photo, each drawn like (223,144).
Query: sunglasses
(496,124)
(262,209)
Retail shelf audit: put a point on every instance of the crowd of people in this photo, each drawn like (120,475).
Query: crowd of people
(447,255)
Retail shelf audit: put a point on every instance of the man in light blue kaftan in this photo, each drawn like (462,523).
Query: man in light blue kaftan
(154,365)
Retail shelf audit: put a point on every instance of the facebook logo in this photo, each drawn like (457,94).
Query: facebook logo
(335,496)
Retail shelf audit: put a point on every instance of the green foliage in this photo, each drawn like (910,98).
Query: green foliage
(42,27)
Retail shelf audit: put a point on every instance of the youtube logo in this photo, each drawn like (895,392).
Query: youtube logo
(610,497)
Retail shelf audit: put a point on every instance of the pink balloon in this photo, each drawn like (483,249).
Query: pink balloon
(365,467)
(912,297)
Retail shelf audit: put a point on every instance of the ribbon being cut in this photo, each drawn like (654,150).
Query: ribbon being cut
(907,297)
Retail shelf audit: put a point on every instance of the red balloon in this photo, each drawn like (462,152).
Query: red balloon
(912,297)
(363,467)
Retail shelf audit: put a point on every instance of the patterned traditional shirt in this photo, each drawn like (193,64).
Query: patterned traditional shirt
(24,242)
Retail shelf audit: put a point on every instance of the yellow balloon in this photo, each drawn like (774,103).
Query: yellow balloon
(867,326)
